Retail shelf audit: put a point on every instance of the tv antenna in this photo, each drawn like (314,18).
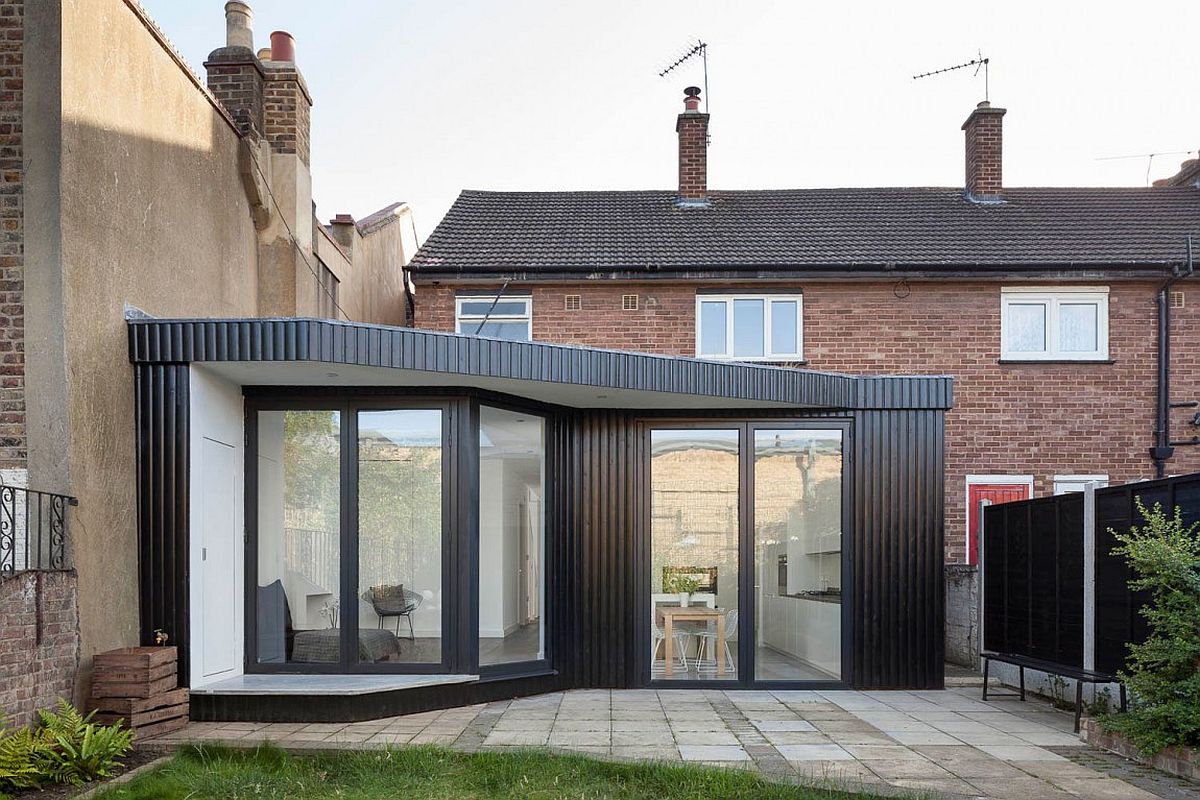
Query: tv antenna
(698,49)
(979,63)
(1149,158)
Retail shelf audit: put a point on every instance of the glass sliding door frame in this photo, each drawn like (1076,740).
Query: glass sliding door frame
(552,598)
(459,552)
(747,636)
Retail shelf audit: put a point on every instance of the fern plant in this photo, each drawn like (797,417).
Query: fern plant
(17,770)
(76,749)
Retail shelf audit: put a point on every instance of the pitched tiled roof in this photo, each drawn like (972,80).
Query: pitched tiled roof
(836,229)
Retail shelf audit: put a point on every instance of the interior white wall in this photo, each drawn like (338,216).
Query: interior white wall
(217,588)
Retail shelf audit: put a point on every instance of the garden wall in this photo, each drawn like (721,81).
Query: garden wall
(39,642)
(1181,761)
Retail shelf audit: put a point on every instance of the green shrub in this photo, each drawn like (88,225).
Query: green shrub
(65,747)
(1163,673)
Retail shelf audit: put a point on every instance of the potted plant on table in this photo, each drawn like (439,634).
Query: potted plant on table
(685,586)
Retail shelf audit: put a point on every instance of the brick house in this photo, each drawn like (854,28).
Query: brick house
(1040,302)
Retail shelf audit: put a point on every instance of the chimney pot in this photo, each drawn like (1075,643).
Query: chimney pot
(264,54)
(239,25)
(692,127)
(984,153)
(283,46)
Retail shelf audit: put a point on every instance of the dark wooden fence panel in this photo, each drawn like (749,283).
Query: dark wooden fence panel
(1033,572)
(1117,619)
(1033,578)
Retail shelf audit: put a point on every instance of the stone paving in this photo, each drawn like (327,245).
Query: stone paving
(940,743)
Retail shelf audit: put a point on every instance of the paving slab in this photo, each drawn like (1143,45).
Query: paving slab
(932,742)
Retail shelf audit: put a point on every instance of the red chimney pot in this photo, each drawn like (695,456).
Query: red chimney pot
(283,46)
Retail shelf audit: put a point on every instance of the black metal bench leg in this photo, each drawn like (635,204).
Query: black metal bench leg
(987,662)
(1078,703)
(1022,684)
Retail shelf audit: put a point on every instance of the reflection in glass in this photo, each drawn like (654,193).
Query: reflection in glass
(694,553)
(1077,327)
(712,328)
(1026,328)
(400,535)
(748,328)
(798,554)
(511,477)
(299,511)
(784,327)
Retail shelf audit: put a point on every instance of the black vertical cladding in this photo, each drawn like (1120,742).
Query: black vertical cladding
(161,421)
(896,576)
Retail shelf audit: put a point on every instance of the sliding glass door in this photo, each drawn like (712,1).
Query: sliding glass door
(395,535)
(797,554)
(746,556)
(399,592)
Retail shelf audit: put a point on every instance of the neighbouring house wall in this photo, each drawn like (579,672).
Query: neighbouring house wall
(962,615)
(153,214)
(39,642)
(12,250)
(372,279)
(1026,419)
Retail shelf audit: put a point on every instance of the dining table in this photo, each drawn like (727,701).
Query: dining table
(673,614)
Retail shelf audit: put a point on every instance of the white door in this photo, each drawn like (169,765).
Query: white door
(219,539)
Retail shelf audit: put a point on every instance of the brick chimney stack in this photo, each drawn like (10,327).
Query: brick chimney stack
(235,76)
(692,127)
(287,103)
(984,134)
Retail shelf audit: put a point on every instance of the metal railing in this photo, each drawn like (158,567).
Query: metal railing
(33,530)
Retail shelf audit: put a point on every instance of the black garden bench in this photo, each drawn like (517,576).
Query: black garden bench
(1077,674)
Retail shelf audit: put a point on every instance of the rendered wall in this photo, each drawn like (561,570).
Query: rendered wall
(152,213)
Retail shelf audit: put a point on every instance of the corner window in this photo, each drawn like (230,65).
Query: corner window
(1041,324)
(750,327)
(507,318)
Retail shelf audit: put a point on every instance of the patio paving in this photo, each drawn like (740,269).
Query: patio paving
(939,743)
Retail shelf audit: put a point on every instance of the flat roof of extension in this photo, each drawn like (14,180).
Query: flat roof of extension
(319,352)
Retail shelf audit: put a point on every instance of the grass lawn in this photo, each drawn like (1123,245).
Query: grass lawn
(431,772)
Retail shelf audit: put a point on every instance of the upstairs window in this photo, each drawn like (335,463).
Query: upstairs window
(1042,324)
(750,327)
(506,318)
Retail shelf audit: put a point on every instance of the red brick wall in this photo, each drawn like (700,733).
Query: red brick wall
(35,674)
(12,238)
(1026,419)
(287,109)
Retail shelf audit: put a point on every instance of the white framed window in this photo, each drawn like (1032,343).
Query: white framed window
(750,327)
(484,315)
(1053,324)
(1063,484)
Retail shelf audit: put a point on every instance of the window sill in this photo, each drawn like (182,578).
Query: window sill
(764,362)
(1060,361)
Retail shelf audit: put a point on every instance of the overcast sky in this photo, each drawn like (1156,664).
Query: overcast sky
(417,100)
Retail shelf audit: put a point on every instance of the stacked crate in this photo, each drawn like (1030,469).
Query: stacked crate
(140,686)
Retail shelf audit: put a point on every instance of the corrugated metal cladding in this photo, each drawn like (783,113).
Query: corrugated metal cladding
(183,341)
(161,418)
(597,521)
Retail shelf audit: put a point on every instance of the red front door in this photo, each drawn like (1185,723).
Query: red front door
(993,493)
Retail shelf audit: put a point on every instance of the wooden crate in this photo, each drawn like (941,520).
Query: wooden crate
(140,686)
(127,707)
(137,689)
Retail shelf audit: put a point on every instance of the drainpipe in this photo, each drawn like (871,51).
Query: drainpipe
(1163,447)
